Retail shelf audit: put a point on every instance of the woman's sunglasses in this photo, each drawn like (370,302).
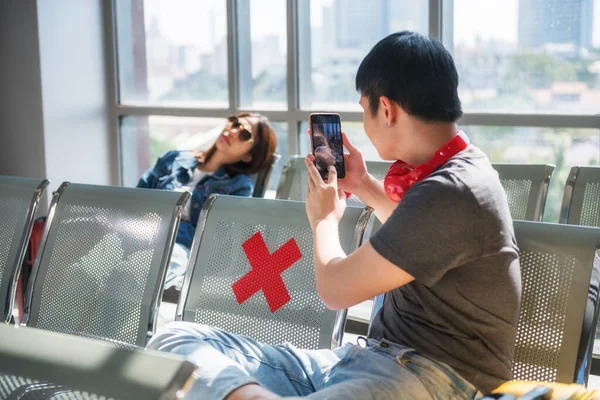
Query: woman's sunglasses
(245,133)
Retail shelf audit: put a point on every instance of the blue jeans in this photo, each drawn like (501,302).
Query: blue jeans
(177,267)
(380,370)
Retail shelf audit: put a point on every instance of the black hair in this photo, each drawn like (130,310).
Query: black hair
(416,72)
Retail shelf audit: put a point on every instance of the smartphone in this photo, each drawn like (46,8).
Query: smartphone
(327,146)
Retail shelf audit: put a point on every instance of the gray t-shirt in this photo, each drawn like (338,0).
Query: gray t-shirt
(453,233)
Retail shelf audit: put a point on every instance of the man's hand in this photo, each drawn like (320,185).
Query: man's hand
(358,182)
(324,201)
(356,168)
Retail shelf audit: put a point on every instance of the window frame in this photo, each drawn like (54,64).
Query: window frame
(297,12)
(440,26)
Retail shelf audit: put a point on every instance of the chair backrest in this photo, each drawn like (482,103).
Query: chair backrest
(37,364)
(560,272)
(581,200)
(241,247)
(526,187)
(102,262)
(261,178)
(19,198)
(294,179)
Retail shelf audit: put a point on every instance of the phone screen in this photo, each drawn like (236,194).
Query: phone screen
(326,132)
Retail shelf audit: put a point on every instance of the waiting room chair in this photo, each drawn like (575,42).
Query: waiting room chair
(102,262)
(261,181)
(294,179)
(581,200)
(38,364)
(560,273)
(526,187)
(261,178)
(19,199)
(240,248)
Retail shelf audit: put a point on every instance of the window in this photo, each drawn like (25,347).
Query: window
(262,54)
(335,35)
(184,66)
(562,147)
(538,56)
(172,52)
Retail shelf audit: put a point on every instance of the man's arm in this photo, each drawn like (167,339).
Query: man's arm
(373,195)
(360,183)
(344,281)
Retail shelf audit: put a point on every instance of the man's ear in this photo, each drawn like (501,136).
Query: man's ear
(389,108)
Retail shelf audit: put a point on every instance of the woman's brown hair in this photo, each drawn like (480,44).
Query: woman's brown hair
(265,143)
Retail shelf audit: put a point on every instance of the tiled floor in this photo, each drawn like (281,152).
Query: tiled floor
(594,382)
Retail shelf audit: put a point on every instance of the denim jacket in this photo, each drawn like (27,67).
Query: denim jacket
(175,169)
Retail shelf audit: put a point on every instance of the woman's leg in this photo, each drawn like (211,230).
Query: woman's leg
(177,267)
(227,362)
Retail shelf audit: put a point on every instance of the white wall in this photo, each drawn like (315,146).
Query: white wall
(54,94)
(21,117)
(74,91)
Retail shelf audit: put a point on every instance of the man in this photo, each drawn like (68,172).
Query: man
(445,256)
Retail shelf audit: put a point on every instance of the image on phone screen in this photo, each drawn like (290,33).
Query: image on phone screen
(327,143)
